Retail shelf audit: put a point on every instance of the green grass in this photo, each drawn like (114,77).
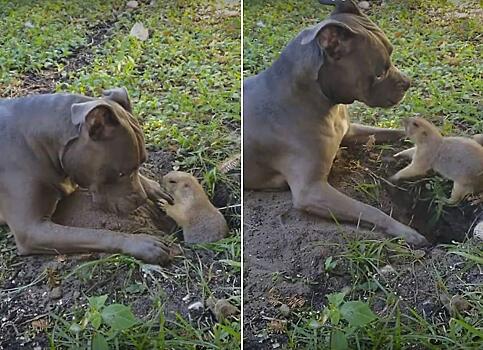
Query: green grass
(439,51)
(398,325)
(438,44)
(184,83)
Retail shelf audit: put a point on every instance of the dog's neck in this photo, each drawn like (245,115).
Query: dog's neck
(296,74)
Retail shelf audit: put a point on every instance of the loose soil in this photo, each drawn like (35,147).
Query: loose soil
(285,249)
(27,292)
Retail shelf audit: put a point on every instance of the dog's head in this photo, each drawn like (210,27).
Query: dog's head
(354,58)
(106,156)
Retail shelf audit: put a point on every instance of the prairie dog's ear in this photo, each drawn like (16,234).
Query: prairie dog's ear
(119,95)
(98,117)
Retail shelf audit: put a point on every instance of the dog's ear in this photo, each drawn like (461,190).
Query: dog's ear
(119,95)
(343,6)
(97,116)
(332,37)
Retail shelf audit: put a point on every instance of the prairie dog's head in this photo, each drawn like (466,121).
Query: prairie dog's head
(420,130)
(182,186)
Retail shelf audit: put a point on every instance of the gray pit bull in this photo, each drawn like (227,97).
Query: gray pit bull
(52,143)
(295,116)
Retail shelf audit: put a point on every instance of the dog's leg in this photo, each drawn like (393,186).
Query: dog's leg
(312,193)
(359,134)
(408,153)
(28,209)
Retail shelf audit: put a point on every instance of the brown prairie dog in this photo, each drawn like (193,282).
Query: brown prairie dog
(459,159)
(192,210)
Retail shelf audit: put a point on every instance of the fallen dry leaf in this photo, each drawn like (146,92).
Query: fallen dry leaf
(139,31)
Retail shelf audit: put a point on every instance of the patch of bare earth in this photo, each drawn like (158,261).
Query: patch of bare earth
(36,287)
(285,250)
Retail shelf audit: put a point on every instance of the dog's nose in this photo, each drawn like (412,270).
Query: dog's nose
(405,82)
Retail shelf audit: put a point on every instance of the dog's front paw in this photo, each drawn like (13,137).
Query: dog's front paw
(410,235)
(147,248)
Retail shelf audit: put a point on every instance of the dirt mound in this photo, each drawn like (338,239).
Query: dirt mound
(34,288)
(285,249)
(78,210)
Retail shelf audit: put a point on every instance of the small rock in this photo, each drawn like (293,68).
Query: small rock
(221,308)
(132,4)
(139,31)
(55,293)
(478,231)
(230,13)
(387,270)
(197,305)
(364,5)
(28,24)
(261,24)
(284,310)
(455,305)
(419,253)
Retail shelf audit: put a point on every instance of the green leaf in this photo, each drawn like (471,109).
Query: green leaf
(97,302)
(334,316)
(135,288)
(118,316)
(338,341)
(475,258)
(357,313)
(96,319)
(75,328)
(99,342)
(336,298)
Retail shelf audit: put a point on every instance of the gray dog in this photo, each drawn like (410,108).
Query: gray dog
(295,116)
(52,143)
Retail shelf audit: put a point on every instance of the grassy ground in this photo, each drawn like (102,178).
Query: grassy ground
(438,44)
(184,83)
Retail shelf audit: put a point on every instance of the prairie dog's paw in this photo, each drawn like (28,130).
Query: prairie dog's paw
(394,179)
(163,204)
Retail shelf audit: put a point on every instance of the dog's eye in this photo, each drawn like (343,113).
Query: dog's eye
(381,75)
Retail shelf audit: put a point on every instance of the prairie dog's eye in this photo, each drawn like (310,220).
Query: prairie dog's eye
(172,181)
(416,124)
(121,174)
